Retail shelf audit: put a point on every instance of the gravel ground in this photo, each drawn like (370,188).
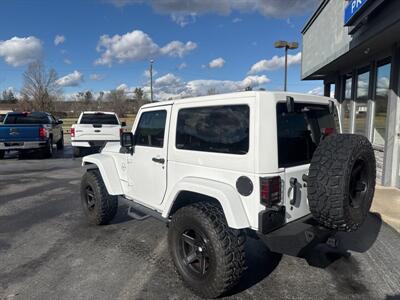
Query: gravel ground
(47,250)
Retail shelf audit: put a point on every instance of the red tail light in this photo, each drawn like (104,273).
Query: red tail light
(328,131)
(72,132)
(121,131)
(42,133)
(270,191)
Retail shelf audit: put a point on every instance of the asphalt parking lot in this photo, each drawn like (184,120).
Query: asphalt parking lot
(47,250)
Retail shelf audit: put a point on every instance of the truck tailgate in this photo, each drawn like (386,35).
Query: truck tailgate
(19,133)
(89,132)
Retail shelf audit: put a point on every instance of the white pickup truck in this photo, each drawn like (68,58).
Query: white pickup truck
(94,129)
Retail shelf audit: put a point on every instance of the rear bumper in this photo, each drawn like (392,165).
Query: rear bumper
(296,238)
(9,146)
(88,144)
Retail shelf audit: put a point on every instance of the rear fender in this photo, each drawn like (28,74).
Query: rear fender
(225,194)
(110,177)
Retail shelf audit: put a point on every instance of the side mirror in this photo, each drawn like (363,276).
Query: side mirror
(123,124)
(127,140)
(59,122)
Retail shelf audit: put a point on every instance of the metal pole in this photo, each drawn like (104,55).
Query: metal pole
(286,51)
(151,81)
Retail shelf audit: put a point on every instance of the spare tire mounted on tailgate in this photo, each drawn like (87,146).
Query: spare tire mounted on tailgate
(341,181)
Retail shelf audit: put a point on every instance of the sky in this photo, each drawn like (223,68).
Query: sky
(196,45)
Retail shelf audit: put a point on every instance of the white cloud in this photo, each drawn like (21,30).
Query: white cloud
(182,66)
(67,61)
(123,87)
(216,63)
(319,91)
(146,73)
(136,45)
(177,48)
(59,39)
(97,77)
(183,12)
(275,63)
(171,86)
(21,51)
(237,20)
(72,79)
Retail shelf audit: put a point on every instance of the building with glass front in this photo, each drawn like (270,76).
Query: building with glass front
(354,47)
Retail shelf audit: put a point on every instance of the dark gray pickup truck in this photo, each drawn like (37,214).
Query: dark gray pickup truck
(36,131)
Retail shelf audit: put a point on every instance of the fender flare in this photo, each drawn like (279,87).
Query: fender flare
(110,177)
(225,194)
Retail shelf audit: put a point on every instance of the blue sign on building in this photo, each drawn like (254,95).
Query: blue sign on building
(352,9)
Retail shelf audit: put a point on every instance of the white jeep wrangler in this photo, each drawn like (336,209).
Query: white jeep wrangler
(219,168)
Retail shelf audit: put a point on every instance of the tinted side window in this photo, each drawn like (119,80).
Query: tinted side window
(222,129)
(150,131)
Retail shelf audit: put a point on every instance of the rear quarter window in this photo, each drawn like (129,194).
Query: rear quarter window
(300,132)
(220,129)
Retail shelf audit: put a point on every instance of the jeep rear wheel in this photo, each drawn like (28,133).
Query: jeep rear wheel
(341,181)
(2,153)
(208,255)
(98,206)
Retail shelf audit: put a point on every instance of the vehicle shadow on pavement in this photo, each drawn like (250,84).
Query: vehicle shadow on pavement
(35,155)
(260,264)
(361,240)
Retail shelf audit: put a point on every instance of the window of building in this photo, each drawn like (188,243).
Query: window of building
(346,104)
(222,129)
(381,102)
(150,131)
(361,107)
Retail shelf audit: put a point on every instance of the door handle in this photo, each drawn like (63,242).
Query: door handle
(158,160)
(293,185)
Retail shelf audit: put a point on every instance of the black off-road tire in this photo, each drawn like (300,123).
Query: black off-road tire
(225,247)
(341,181)
(47,151)
(60,143)
(2,153)
(77,152)
(103,208)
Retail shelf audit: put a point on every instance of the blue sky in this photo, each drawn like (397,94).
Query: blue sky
(197,45)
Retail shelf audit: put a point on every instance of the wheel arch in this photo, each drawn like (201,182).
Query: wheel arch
(192,189)
(110,177)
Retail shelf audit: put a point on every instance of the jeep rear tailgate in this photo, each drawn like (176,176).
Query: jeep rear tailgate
(299,133)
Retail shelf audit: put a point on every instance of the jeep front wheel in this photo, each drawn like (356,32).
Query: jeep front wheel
(208,255)
(98,206)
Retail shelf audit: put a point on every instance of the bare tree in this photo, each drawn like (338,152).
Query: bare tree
(40,86)
(212,91)
(117,101)
(8,95)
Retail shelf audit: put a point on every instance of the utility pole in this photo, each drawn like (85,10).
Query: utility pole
(287,46)
(151,81)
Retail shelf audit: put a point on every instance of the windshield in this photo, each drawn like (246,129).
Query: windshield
(27,118)
(300,132)
(99,118)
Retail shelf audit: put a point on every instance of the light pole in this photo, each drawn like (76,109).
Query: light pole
(287,46)
(151,80)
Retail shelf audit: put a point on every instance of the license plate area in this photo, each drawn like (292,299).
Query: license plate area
(17,144)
